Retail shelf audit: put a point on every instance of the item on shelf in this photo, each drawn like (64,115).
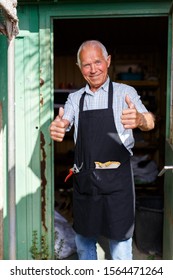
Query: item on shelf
(144,169)
(130,75)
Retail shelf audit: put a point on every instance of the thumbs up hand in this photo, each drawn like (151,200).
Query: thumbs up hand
(58,127)
(130,117)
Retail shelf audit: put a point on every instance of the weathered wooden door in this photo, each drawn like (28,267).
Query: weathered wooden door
(34,189)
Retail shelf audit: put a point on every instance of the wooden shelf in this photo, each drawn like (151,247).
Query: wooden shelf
(140,83)
(64,90)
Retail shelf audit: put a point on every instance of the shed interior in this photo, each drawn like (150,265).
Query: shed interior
(138,47)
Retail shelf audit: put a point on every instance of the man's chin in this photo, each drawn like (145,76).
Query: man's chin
(96,85)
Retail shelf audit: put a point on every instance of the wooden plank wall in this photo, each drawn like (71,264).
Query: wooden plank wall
(67,73)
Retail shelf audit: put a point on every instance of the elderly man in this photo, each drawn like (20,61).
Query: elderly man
(104,114)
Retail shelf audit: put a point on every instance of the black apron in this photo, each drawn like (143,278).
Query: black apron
(103,199)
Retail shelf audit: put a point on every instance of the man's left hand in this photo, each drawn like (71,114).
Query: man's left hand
(130,117)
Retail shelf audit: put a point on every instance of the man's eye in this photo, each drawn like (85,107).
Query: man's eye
(98,62)
(86,65)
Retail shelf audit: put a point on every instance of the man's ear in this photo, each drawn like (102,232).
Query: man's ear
(109,60)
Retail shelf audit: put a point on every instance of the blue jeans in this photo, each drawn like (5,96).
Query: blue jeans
(87,250)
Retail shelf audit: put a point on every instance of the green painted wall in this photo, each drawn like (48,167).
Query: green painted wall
(34,188)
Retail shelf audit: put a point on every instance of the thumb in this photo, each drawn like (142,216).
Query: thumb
(60,115)
(61,112)
(129,103)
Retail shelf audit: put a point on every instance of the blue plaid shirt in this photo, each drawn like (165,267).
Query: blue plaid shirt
(99,100)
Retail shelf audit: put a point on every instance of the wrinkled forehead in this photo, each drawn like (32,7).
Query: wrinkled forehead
(91,53)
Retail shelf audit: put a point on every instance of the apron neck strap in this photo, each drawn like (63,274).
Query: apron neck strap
(110,95)
(82,102)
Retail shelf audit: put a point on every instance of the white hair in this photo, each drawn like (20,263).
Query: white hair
(94,43)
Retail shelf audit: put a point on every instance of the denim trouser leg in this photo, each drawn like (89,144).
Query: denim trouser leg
(121,250)
(86,247)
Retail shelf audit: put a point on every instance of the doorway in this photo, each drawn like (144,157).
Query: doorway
(138,47)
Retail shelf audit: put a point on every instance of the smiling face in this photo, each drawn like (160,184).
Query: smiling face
(94,66)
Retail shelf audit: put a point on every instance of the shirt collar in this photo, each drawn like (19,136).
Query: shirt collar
(104,87)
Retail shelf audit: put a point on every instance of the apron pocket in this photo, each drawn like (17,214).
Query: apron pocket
(107,181)
(99,181)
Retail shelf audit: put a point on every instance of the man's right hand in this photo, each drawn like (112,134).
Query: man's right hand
(58,127)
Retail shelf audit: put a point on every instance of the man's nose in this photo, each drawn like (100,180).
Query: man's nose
(93,67)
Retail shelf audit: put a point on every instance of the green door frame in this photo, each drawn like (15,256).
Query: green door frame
(168,180)
(87,11)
